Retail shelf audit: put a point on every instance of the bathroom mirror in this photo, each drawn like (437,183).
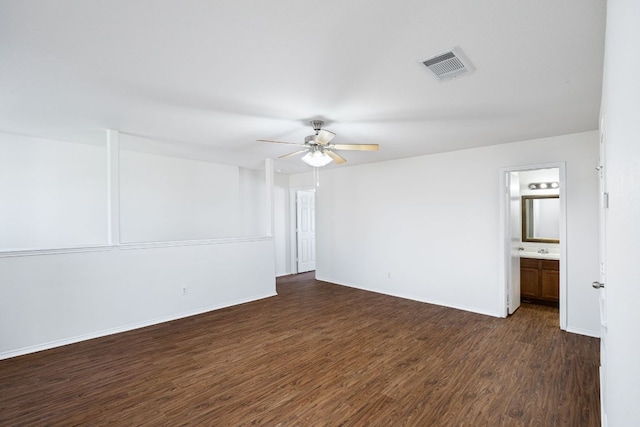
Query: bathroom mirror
(541,219)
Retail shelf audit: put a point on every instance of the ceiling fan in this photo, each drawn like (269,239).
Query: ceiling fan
(318,148)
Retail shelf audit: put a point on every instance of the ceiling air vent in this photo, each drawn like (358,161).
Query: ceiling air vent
(449,65)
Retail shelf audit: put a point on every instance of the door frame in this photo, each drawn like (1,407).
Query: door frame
(602,277)
(512,276)
(504,236)
(293,234)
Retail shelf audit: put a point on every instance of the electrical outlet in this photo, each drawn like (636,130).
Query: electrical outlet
(185,290)
(388,275)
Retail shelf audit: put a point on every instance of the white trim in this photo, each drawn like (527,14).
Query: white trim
(585,332)
(269,196)
(133,245)
(414,298)
(54,251)
(293,233)
(150,245)
(564,292)
(129,327)
(503,249)
(113,187)
(504,259)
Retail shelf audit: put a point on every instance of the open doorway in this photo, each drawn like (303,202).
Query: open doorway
(304,235)
(534,244)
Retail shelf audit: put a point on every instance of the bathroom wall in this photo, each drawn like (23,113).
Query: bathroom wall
(539,175)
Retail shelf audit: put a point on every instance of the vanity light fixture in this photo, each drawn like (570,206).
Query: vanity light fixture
(543,185)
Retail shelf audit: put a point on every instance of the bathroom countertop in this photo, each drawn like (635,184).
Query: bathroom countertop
(538,255)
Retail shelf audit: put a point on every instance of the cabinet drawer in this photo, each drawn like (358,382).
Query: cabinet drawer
(550,264)
(529,262)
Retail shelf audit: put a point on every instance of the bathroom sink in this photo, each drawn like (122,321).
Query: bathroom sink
(537,255)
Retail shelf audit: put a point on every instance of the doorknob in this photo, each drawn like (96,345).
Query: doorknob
(597,285)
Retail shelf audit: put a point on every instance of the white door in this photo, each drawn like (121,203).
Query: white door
(514,235)
(306,230)
(600,284)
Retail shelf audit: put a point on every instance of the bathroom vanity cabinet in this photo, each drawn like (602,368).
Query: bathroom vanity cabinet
(540,281)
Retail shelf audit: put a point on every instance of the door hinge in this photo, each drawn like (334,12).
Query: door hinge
(605,200)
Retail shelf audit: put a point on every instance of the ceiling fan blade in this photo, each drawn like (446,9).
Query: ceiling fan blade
(324,137)
(278,142)
(293,154)
(336,158)
(360,147)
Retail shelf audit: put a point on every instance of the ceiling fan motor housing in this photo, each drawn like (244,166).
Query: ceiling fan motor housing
(317,125)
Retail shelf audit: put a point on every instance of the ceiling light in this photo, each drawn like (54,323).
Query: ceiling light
(316,158)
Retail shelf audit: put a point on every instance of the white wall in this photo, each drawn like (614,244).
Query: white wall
(67,293)
(166,198)
(432,224)
(52,193)
(305,180)
(621,111)
(57,299)
(253,214)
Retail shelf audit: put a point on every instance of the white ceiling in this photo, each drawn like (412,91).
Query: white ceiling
(214,76)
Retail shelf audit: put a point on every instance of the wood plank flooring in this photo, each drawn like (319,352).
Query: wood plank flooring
(318,354)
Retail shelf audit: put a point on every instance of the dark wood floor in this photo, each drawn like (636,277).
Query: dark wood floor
(317,354)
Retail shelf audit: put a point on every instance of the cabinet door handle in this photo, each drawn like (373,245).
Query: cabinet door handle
(597,285)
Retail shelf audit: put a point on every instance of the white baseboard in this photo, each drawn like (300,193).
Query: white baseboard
(284,274)
(414,298)
(125,328)
(579,331)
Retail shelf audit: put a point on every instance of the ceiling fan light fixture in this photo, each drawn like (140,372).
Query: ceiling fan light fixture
(318,149)
(317,158)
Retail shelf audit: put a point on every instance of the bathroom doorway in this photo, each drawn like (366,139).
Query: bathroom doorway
(533,217)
